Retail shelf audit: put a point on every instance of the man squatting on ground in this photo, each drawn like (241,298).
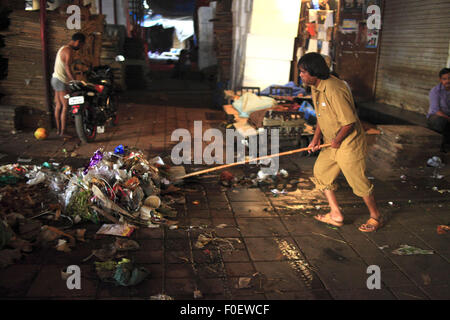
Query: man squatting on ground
(438,117)
(62,75)
(338,124)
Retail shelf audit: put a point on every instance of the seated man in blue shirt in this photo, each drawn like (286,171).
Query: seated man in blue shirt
(439,113)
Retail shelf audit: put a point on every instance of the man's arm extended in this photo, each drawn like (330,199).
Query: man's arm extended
(342,134)
(315,143)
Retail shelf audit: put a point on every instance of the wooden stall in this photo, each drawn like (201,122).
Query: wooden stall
(223,30)
(24,85)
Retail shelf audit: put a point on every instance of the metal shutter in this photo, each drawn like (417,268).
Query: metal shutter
(414,47)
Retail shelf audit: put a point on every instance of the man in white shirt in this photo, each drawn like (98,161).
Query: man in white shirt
(61,76)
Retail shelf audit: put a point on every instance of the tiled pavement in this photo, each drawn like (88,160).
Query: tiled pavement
(295,256)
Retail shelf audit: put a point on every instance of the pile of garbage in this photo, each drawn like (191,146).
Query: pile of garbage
(277,182)
(121,190)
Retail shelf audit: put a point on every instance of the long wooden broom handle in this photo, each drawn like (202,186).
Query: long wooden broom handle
(249,160)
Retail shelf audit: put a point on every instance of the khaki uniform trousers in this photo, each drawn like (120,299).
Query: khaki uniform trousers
(331,162)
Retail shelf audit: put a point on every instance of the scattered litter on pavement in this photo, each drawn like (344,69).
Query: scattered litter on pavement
(122,273)
(63,246)
(284,173)
(383,247)
(441,191)
(161,297)
(405,250)
(443,229)
(244,282)
(120,191)
(225,244)
(435,162)
(198,294)
(256,281)
(121,230)
(277,192)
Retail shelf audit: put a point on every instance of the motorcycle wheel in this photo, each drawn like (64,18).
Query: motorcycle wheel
(85,134)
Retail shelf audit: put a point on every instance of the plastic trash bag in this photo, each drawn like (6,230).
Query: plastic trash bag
(40,177)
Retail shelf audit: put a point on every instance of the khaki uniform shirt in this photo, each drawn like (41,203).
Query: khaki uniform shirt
(335,108)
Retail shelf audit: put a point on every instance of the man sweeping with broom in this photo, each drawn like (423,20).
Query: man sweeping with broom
(338,124)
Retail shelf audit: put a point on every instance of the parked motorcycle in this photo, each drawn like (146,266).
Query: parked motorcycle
(94,103)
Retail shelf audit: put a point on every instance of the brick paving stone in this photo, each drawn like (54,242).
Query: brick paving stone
(205,256)
(395,239)
(200,222)
(300,225)
(147,256)
(156,270)
(239,269)
(176,244)
(239,293)
(199,213)
(429,235)
(366,249)
(218,205)
(211,286)
(408,293)
(179,256)
(246,195)
(288,276)
(215,297)
(110,290)
(394,278)
(424,270)
(261,227)
(179,271)
(230,222)
(36,257)
(149,233)
(210,270)
(329,258)
(228,232)
(15,280)
(180,287)
(252,210)
(445,255)
(147,288)
(49,283)
(270,249)
(437,292)
(216,197)
(76,256)
(299,295)
(362,294)
(236,256)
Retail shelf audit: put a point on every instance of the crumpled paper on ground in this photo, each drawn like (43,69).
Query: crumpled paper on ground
(406,250)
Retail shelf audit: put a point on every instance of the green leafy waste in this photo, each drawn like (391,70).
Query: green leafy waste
(79,206)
